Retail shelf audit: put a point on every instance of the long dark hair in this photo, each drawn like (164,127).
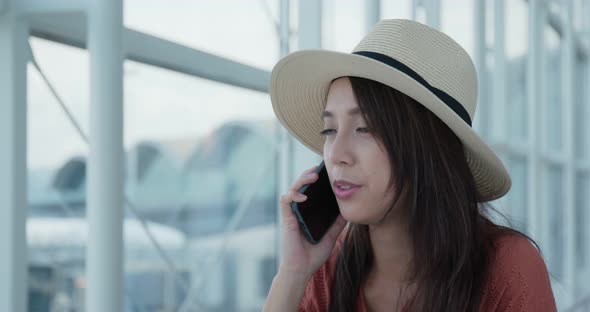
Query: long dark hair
(452,234)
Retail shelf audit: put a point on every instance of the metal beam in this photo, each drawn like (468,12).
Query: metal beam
(309,37)
(70,29)
(293,156)
(500,116)
(372,14)
(499,120)
(147,49)
(537,217)
(432,8)
(585,163)
(30,7)
(283,139)
(13,167)
(568,66)
(310,24)
(481,114)
(104,253)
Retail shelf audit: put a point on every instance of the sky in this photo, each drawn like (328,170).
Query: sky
(163,105)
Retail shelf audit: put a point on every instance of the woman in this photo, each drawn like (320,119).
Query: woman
(415,235)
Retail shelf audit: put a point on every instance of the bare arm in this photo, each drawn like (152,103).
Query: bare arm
(286,292)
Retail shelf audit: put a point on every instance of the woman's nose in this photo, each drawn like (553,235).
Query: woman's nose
(340,152)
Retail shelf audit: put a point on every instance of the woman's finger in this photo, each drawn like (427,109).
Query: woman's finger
(306,178)
(288,217)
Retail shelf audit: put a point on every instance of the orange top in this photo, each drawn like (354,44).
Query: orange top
(519,280)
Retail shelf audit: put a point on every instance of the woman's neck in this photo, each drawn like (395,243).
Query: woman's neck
(392,250)
(387,284)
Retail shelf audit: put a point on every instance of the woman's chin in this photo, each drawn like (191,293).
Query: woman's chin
(355,214)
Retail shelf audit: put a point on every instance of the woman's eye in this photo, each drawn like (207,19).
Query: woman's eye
(326,132)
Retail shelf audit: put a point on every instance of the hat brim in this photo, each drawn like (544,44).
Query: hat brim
(299,86)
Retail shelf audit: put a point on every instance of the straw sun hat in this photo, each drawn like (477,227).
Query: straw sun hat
(410,57)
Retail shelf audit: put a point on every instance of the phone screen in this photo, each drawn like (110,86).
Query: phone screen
(317,214)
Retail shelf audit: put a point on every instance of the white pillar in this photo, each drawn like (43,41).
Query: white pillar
(310,24)
(481,114)
(586,236)
(294,156)
(372,14)
(284,26)
(498,114)
(309,37)
(500,117)
(13,166)
(432,8)
(284,143)
(537,219)
(568,58)
(429,11)
(104,261)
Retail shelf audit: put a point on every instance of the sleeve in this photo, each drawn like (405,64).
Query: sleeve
(519,280)
(314,297)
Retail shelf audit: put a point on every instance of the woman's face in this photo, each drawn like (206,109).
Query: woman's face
(354,155)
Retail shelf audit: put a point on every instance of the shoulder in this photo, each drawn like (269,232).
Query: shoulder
(317,294)
(517,279)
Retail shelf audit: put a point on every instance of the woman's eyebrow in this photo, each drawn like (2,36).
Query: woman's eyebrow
(351,112)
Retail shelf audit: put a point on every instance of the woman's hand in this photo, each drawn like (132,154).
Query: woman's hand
(299,256)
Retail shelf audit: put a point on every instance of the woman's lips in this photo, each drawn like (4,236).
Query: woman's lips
(344,193)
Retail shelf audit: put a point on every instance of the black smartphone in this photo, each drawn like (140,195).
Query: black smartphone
(319,211)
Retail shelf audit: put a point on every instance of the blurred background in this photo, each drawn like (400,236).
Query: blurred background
(186,218)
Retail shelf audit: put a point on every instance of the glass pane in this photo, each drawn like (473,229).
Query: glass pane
(56,228)
(457,21)
(517,197)
(517,99)
(554,200)
(161,104)
(516,29)
(396,9)
(344,21)
(582,111)
(47,122)
(552,125)
(582,208)
(240,30)
(201,165)
(343,24)
(200,169)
